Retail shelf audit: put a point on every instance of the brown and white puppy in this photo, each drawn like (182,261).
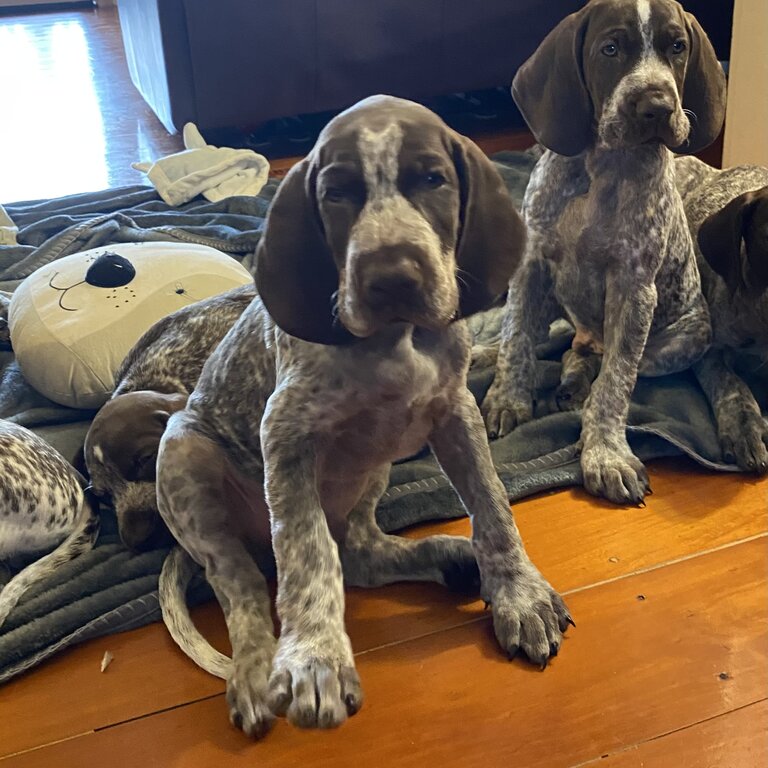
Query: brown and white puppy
(376,245)
(44,507)
(728,214)
(611,92)
(154,381)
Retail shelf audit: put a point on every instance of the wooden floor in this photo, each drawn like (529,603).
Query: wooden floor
(71,119)
(668,665)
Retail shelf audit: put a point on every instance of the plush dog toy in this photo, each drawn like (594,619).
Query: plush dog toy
(73,321)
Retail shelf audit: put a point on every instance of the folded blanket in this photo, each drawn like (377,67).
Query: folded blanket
(109,589)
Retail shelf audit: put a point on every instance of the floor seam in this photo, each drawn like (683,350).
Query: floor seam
(664,735)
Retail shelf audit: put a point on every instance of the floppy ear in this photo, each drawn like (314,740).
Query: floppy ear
(755,235)
(549,89)
(720,238)
(296,276)
(703,90)
(492,234)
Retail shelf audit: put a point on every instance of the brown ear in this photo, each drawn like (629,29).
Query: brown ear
(492,234)
(549,89)
(703,90)
(720,238)
(755,235)
(296,276)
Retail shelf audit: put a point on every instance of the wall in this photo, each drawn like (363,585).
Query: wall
(746,122)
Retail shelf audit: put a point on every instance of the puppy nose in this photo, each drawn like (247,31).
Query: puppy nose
(654,106)
(392,283)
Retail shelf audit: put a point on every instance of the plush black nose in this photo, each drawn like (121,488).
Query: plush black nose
(654,107)
(110,270)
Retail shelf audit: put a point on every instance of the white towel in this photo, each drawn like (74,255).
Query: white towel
(8,230)
(202,169)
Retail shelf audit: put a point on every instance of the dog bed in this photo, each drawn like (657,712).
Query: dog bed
(111,590)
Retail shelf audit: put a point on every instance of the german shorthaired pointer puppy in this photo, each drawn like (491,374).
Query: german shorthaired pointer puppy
(154,381)
(390,231)
(728,215)
(42,505)
(610,91)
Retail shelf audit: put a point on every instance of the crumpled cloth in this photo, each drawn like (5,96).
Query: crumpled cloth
(202,169)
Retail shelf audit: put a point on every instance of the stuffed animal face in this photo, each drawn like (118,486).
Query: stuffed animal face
(73,321)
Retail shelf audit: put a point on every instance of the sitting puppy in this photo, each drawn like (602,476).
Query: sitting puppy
(609,93)
(42,505)
(154,381)
(376,245)
(728,215)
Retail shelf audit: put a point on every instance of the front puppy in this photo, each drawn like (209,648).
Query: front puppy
(389,232)
(611,92)
(728,215)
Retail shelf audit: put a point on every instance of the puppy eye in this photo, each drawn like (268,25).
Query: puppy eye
(610,49)
(434,180)
(678,46)
(334,195)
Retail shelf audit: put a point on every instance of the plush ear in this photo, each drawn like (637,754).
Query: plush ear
(720,238)
(491,235)
(703,90)
(296,276)
(549,89)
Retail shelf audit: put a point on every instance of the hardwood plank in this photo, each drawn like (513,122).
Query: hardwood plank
(695,648)
(593,542)
(737,739)
(577,540)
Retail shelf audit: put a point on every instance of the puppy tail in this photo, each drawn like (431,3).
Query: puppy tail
(178,570)
(78,542)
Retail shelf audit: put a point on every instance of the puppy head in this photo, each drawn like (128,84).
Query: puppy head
(734,241)
(393,217)
(623,73)
(121,454)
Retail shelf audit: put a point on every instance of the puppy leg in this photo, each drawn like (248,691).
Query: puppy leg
(742,430)
(371,558)
(195,496)
(527,613)
(679,345)
(313,677)
(609,467)
(529,310)
(579,371)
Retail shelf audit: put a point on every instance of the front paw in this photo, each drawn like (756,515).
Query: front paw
(614,473)
(502,412)
(247,696)
(743,434)
(528,615)
(314,689)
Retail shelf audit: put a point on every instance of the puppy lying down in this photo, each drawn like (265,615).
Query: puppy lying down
(154,381)
(43,505)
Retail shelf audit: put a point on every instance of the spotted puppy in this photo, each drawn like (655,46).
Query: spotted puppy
(377,244)
(43,507)
(154,381)
(728,215)
(610,92)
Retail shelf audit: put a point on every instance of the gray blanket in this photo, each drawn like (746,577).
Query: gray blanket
(111,590)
